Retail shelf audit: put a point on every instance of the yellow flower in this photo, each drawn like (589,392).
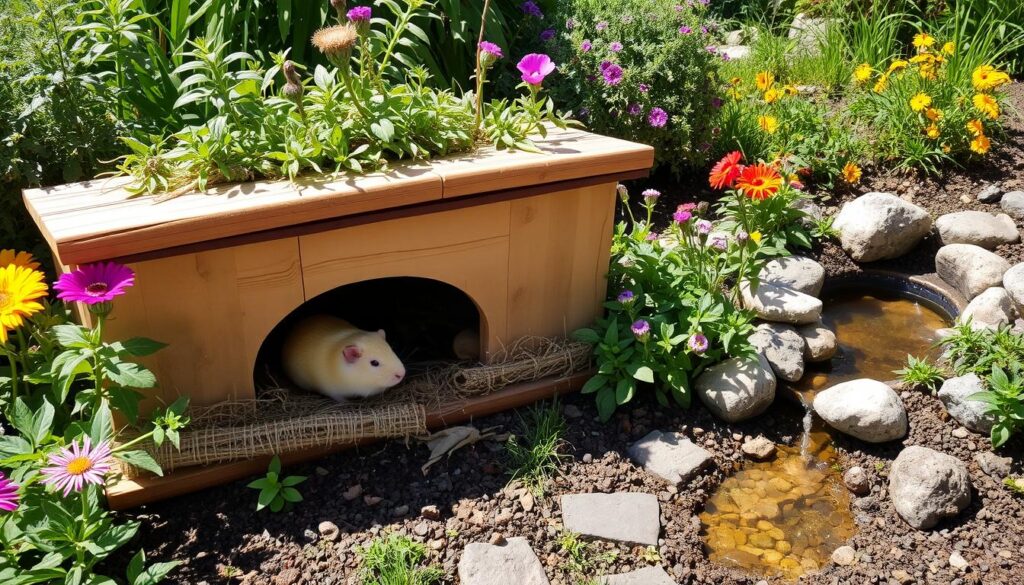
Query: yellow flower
(764,80)
(975,127)
(927,71)
(933,114)
(851,173)
(881,84)
(862,73)
(932,131)
(897,65)
(922,58)
(980,144)
(756,236)
(8,257)
(920,102)
(768,123)
(986,77)
(734,93)
(790,90)
(735,81)
(20,289)
(947,148)
(949,48)
(923,40)
(771,96)
(987,105)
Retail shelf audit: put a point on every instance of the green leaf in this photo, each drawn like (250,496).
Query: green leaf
(293,480)
(71,336)
(606,404)
(142,460)
(102,427)
(587,336)
(624,391)
(142,346)
(291,495)
(128,374)
(111,539)
(383,129)
(594,384)
(42,422)
(644,374)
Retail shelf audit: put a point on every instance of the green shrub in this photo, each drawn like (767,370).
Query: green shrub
(535,452)
(1005,400)
(395,560)
(921,372)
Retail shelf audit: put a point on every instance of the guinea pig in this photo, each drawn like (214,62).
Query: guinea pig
(328,355)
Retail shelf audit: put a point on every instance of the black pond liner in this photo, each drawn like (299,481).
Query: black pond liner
(937,296)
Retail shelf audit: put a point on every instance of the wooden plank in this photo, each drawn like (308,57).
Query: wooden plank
(131,493)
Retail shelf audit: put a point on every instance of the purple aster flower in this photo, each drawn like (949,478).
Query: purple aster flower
(602,25)
(711,49)
(489,52)
(635,110)
(742,236)
(651,195)
(8,494)
(678,7)
(698,344)
(535,67)
(78,464)
(530,8)
(625,297)
(704,2)
(681,216)
(644,88)
(95,283)
(685,30)
(716,102)
(657,118)
(726,57)
(360,14)
(612,74)
(547,34)
(641,329)
(615,47)
(704,226)
(703,30)
(586,45)
(719,243)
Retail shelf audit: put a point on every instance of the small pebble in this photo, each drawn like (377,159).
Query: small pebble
(957,561)
(844,555)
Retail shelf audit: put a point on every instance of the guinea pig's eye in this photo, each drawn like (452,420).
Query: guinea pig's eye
(374,363)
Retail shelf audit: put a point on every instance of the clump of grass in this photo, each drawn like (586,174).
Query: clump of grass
(535,452)
(396,560)
(921,373)
(583,558)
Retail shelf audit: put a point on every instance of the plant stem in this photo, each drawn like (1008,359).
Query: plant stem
(400,27)
(97,369)
(14,378)
(346,75)
(132,443)
(480,73)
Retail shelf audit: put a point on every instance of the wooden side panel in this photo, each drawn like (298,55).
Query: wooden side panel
(466,248)
(214,309)
(558,260)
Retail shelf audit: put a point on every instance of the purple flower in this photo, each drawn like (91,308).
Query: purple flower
(615,47)
(681,216)
(8,494)
(719,243)
(726,57)
(698,344)
(644,88)
(625,297)
(657,118)
(742,236)
(547,34)
(602,25)
(685,30)
(570,24)
(95,283)
(360,14)
(704,226)
(612,74)
(652,236)
(711,49)
(586,45)
(530,8)
(641,329)
(584,113)
(635,110)
(535,67)
(703,30)
(492,51)
(716,102)
(74,466)
(651,195)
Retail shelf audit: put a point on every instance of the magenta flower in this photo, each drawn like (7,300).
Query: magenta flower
(644,88)
(681,216)
(586,46)
(602,25)
(489,53)
(8,494)
(535,67)
(547,34)
(530,8)
(685,30)
(698,343)
(75,466)
(641,329)
(360,14)
(704,227)
(625,297)
(634,110)
(651,195)
(657,118)
(95,283)
(615,47)
(612,73)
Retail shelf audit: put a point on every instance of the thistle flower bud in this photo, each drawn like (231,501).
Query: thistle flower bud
(340,6)
(336,43)
(702,208)
(293,89)
(623,193)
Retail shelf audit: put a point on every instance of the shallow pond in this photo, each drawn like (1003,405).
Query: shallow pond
(786,516)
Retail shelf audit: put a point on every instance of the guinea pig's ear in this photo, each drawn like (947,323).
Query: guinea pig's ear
(381,332)
(352,353)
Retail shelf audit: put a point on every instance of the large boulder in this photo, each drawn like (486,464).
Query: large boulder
(670,456)
(809,33)
(878,226)
(955,395)
(1013,204)
(970,269)
(489,564)
(783,347)
(864,408)
(927,486)
(738,388)
(1013,282)
(820,342)
(977,227)
(781,304)
(991,309)
(796,272)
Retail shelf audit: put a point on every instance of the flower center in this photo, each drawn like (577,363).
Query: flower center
(78,466)
(97,288)
(757,182)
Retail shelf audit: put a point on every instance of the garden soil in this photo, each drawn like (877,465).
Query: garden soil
(219,538)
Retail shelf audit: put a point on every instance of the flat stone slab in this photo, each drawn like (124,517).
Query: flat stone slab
(670,456)
(796,272)
(645,576)
(624,517)
(977,227)
(781,304)
(489,564)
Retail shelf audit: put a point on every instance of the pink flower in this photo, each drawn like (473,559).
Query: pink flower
(615,47)
(586,46)
(491,49)
(612,73)
(681,217)
(698,344)
(75,466)
(360,14)
(641,329)
(8,494)
(95,283)
(535,67)
(644,88)
(657,118)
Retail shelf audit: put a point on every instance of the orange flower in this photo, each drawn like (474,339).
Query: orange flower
(725,171)
(980,144)
(759,181)
(8,257)
(851,173)
(975,127)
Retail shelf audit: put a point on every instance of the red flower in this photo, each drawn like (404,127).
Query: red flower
(759,181)
(726,170)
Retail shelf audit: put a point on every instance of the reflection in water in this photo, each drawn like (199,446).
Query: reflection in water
(785,517)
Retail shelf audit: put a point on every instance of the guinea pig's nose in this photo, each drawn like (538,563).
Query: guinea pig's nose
(399,375)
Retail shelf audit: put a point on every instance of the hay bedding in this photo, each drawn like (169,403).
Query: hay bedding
(281,421)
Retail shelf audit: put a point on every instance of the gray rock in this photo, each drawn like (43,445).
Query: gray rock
(759,449)
(1013,282)
(624,517)
(488,564)
(781,304)
(783,347)
(957,561)
(977,227)
(993,465)
(856,480)
(955,395)
(820,342)
(737,389)
(927,486)
(796,272)
(864,408)
(990,194)
(991,309)
(734,37)
(809,33)
(845,555)
(970,269)
(329,530)
(878,226)
(736,52)
(670,456)
(645,576)
(1013,204)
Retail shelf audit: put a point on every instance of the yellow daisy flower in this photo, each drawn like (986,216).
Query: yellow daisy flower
(987,105)
(756,236)
(862,73)
(20,289)
(986,78)
(975,127)
(768,123)
(851,173)
(932,131)
(920,102)
(881,84)
(790,90)
(764,80)
(8,257)
(980,144)
(923,40)
(897,65)
(933,114)
(949,48)
(771,96)
(735,81)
